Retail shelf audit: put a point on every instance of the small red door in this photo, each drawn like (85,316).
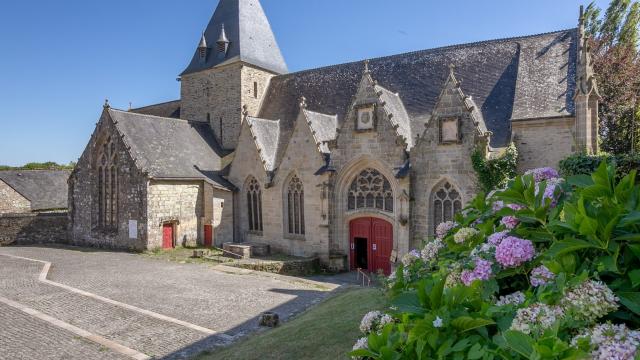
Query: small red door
(167,236)
(371,244)
(208,236)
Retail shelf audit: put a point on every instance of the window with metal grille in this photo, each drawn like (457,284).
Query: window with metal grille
(370,190)
(254,205)
(295,206)
(446,203)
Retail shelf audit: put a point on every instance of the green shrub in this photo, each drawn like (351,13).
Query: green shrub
(494,173)
(583,164)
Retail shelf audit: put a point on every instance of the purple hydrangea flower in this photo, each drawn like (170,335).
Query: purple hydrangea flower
(510,221)
(515,207)
(550,190)
(513,252)
(482,271)
(542,174)
(497,206)
(496,238)
(541,276)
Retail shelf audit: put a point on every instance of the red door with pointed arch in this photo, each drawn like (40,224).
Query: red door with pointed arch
(371,243)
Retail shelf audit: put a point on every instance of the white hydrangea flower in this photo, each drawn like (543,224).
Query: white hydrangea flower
(437,322)
(589,301)
(368,321)
(536,318)
(463,234)
(611,342)
(515,298)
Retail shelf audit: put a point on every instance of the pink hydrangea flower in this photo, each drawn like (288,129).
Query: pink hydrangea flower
(482,271)
(513,252)
(510,221)
(541,276)
(542,174)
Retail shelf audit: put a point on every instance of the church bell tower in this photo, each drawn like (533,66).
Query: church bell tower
(235,59)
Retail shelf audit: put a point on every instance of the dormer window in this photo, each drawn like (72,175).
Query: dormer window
(365,117)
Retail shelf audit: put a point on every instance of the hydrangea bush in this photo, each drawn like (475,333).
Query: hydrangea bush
(546,268)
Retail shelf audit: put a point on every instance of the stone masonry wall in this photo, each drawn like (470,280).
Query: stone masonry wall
(83,197)
(434,163)
(543,142)
(177,202)
(30,229)
(11,202)
(217,95)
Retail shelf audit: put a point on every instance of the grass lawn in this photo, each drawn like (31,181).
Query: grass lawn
(327,331)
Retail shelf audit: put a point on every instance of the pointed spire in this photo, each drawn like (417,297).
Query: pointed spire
(239,31)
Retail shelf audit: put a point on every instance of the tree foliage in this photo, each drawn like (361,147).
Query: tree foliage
(50,165)
(616,62)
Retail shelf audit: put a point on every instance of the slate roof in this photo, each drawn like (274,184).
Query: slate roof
(249,33)
(399,116)
(265,134)
(45,189)
(324,128)
(170,109)
(508,79)
(168,148)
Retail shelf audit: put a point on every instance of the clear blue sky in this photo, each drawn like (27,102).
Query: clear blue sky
(60,59)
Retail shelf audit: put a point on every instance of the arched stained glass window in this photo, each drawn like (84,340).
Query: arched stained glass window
(254,205)
(446,203)
(370,190)
(295,206)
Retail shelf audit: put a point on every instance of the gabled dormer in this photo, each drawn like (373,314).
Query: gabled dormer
(456,118)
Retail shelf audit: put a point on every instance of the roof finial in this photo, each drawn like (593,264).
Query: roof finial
(106,104)
(452,68)
(245,111)
(366,67)
(581,21)
(130,105)
(303,102)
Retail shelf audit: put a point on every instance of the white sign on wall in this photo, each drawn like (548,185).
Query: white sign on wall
(133,229)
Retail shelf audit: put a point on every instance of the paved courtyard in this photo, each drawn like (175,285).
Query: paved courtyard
(65,303)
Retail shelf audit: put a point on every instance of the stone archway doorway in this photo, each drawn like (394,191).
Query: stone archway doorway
(371,244)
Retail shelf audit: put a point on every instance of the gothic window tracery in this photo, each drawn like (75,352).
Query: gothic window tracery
(254,205)
(446,203)
(370,190)
(108,186)
(295,206)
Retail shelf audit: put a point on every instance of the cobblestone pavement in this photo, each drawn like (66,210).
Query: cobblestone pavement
(193,293)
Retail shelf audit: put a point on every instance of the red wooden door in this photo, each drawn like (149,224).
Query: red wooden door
(208,235)
(167,236)
(359,229)
(381,246)
(378,234)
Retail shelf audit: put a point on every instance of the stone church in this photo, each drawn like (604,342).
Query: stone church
(354,163)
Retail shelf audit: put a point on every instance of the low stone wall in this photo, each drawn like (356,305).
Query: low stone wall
(301,267)
(31,229)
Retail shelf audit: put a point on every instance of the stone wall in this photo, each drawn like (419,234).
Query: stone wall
(11,202)
(543,142)
(218,95)
(179,203)
(83,197)
(30,229)
(434,163)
